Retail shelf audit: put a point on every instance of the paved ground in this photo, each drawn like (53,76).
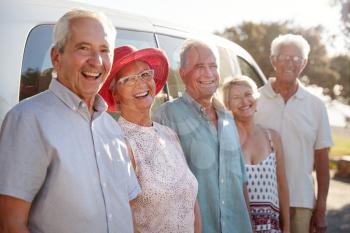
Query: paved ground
(338,203)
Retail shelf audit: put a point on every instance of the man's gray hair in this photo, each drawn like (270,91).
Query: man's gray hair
(194,43)
(287,39)
(62,28)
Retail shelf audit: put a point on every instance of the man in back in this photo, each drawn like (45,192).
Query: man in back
(64,165)
(286,106)
(210,142)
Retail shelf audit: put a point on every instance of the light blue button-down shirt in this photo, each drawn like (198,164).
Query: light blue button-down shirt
(74,169)
(215,158)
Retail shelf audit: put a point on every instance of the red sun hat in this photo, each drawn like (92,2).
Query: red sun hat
(124,55)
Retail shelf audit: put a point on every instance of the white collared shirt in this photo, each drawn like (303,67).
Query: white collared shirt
(303,125)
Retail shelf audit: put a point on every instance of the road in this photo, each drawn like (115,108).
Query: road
(338,203)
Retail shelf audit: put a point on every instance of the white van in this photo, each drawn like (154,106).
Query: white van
(26,35)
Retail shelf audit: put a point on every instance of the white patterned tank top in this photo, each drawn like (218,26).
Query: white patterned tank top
(263,193)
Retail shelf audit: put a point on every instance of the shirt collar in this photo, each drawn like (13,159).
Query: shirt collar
(268,90)
(72,100)
(216,103)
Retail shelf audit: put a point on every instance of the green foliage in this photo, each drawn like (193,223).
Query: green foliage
(345,17)
(341,146)
(256,38)
(318,71)
(341,64)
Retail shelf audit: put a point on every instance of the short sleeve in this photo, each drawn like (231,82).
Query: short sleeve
(160,115)
(169,114)
(23,161)
(323,138)
(133,186)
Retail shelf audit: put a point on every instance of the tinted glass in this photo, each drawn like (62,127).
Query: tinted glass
(225,66)
(172,46)
(249,71)
(138,39)
(37,68)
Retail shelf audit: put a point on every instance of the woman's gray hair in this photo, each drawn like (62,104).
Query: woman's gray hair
(287,39)
(62,28)
(238,80)
(195,43)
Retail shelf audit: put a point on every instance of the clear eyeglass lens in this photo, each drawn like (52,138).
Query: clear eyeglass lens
(297,59)
(147,75)
(131,80)
(294,59)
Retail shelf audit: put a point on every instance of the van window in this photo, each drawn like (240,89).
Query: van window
(249,71)
(37,68)
(138,39)
(171,46)
(225,66)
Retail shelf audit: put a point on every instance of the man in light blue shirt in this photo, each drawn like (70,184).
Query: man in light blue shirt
(210,142)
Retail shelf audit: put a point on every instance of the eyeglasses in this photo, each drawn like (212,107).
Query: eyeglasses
(146,75)
(284,58)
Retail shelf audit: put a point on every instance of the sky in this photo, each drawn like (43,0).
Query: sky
(216,15)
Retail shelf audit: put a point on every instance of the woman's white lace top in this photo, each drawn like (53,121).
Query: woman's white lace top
(169,189)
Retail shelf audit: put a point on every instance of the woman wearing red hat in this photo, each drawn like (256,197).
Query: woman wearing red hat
(169,189)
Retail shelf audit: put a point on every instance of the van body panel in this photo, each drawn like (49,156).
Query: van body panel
(25,45)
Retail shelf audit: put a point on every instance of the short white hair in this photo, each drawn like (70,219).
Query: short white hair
(287,39)
(62,28)
(195,43)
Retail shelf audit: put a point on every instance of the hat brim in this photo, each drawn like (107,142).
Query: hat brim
(155,58)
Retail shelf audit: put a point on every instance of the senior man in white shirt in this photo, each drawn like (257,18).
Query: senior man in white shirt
(286,106)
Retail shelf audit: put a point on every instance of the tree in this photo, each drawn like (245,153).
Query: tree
(318,71)
(345,16)
(341,64)
(256,38)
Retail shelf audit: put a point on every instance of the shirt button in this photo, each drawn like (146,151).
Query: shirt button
(110,216)
(98,154)
(222,181)
(223,202)
(104,184)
